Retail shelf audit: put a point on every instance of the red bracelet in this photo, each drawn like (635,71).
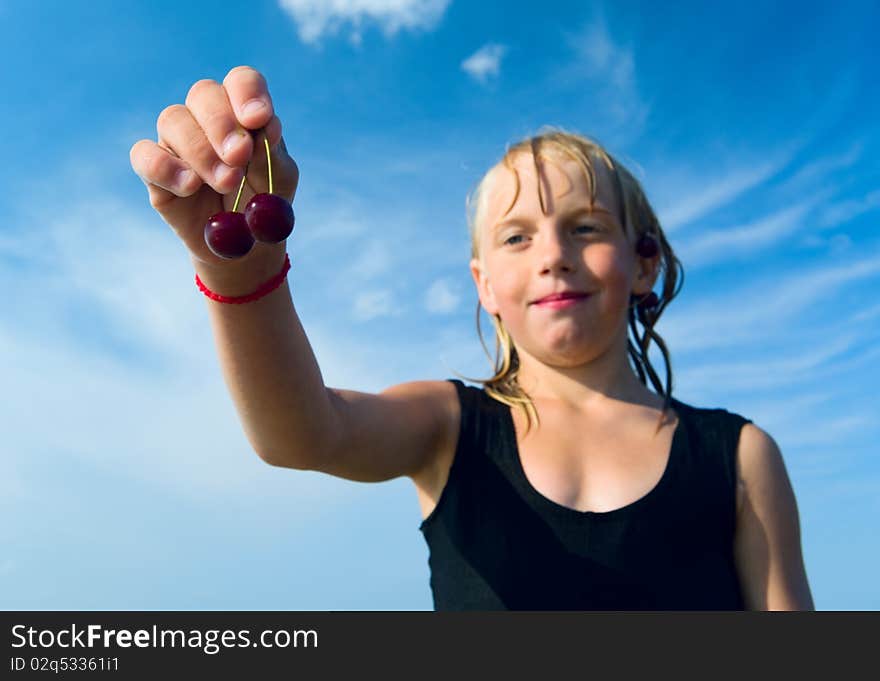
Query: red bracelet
(264,288)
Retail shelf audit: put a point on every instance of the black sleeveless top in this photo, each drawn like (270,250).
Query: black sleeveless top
(496,543)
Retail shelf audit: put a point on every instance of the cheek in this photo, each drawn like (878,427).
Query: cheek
(612,266)
(615,270)
(505,281)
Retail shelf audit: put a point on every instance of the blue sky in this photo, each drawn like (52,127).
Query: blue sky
(125,479)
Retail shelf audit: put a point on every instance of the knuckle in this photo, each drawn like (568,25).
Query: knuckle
(134,153)
(158,169)
(205,84)
(243,69)
(158,200)
(218,119)
(168,114)
(199,146)
(139,156)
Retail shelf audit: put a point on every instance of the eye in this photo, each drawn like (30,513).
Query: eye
(515,236)
(590,227)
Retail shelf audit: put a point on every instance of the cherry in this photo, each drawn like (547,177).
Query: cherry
(228,236)
(269,217)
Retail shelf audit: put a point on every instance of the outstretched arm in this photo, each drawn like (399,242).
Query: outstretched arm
(767,544)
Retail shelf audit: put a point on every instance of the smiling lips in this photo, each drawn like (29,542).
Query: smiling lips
(558,301)
(562,296)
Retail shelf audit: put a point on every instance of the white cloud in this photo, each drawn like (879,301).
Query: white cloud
(372,304)
(817,170)
(317,18)
(441,298)
(485,63)
(688,205)
(336,218)
(754,374)
(372,262)
(864,315)
(829,431)
(125,269)
(609,68)
(840,243)
(718,245)
(602,54)
(843,211)
(758,310)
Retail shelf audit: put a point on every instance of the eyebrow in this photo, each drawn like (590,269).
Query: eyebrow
(515,219)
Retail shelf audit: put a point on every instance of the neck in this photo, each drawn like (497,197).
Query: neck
(604,381)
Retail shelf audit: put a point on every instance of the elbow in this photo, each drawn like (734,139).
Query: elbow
(285,458)
(303,446)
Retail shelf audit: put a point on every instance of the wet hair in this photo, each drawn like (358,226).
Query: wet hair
(637,218)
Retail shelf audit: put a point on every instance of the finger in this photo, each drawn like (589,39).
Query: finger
(158,167)
(249,95)
(181,134)
(210,107)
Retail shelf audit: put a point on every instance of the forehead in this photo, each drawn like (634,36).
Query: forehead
(563,183)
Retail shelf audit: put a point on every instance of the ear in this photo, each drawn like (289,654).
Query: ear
(645,275)
(484,288)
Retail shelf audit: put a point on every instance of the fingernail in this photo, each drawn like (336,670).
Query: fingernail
(223,173)
(183,178)
(253,106)
(231,142)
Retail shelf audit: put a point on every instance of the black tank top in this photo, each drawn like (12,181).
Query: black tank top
(496,543)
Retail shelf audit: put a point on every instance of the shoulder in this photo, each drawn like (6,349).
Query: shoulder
(443,399)
(728,434)
(758,459)
(760,464)
(767,544)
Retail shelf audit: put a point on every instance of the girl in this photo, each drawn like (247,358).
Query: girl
(565,482)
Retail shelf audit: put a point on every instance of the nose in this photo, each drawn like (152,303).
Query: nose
(553,253)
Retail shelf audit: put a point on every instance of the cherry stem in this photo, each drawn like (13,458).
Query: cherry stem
(268,161)
(240,187)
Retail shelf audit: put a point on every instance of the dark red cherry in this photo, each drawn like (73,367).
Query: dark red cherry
(270,218)
(228,236)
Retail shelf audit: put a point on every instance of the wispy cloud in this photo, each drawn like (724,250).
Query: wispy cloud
(834,245)
(372,304)
(485,63)
(124,269)
(819,168)
(865,315)
(318,18)
(841,212)
(374,261)
(830,431)
(609,66)
(441,298)
(765,373)
(758,309)
(689,203)
(722,244)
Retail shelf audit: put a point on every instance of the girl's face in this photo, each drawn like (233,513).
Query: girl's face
(527,255)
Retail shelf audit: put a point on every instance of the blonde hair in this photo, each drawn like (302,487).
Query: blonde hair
(636,216)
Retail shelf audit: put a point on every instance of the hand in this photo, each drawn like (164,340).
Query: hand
(203,148)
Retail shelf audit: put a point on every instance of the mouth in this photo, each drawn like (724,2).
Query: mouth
(561,297)
(559,302)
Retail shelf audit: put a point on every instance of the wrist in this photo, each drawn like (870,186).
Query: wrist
(242,276)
